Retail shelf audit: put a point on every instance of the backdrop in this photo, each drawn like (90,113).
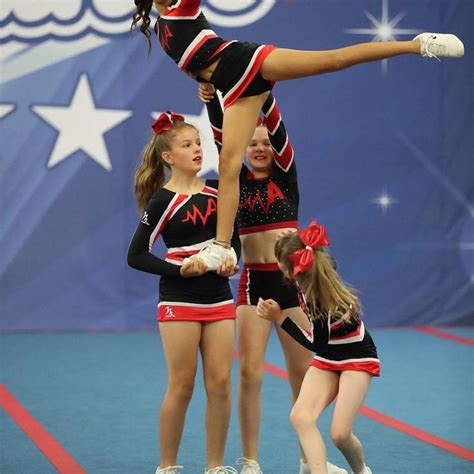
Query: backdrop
(384,152)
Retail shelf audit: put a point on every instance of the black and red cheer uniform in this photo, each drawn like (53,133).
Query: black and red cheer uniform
(187,224)
(187,37)
(265,204)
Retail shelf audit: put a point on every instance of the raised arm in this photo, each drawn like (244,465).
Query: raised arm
(208,95)
(283,151)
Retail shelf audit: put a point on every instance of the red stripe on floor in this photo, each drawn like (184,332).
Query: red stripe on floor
(445,335)
(418,434)
(276,371)
(273,369)
(397,424)
(45,442)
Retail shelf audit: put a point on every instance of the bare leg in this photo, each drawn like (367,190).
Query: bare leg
(297,358)
(317,391)
(282,64)
(217,346)
(353,387)
(253,333)
(180,345)
(239,124)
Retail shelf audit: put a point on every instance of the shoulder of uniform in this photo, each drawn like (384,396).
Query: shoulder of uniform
(161,196)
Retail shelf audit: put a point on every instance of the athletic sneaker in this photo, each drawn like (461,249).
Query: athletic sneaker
(332,468)
(366,470)
(249,466)
(435,45)
(213,255)
(221,470)
(168,470)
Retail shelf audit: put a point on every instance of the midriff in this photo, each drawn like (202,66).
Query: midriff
(259,247)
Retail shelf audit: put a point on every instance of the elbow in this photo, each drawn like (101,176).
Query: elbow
(131,260)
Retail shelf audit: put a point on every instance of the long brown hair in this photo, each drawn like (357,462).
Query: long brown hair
(324,290)
(142,13)
(151,173)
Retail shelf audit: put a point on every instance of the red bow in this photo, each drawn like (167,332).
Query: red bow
(164,122)
(314,237)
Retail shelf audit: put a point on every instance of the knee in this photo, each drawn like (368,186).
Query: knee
(181,390)
(250,376)
(335,61)
(230,164)
(340,436)
(301,419)
(219,388)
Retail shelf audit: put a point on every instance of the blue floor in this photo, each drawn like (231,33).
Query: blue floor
(98,394)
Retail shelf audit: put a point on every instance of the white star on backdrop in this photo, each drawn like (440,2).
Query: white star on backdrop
(81,126)
(210,160)
(384,29)
(384,201)
(5,109)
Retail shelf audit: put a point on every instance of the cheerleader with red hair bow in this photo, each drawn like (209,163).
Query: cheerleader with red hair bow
(195,312)
(246,72)
(345,357)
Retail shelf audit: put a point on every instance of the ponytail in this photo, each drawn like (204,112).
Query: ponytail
(324,290)
(142,13)
(151,172)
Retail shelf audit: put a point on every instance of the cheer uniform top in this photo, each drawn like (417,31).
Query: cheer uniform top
(338,345)
(265,204)
(187,224)
(187,37)
(272,202)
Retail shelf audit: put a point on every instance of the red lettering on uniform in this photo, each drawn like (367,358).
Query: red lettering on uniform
(273,193)
(211,208)
(165,36)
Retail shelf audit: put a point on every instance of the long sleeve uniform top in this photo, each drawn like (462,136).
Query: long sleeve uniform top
(272,202)
(187,223)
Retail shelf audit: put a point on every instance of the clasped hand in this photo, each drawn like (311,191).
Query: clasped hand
(195,267)
(270,310)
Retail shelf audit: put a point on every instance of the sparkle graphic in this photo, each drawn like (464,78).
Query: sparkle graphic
(438,174)
(384,29)
(466,245)
(384,201)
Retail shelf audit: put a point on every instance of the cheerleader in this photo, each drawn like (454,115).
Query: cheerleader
(345,357)
(269,199)
(195,311)
(245,73)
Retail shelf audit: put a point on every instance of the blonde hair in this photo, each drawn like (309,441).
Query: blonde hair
(324,290)
(151,173)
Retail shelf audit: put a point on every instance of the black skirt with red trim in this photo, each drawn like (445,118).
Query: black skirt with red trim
(238,72)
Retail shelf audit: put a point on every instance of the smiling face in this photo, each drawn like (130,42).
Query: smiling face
(259,151)
(185,155)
